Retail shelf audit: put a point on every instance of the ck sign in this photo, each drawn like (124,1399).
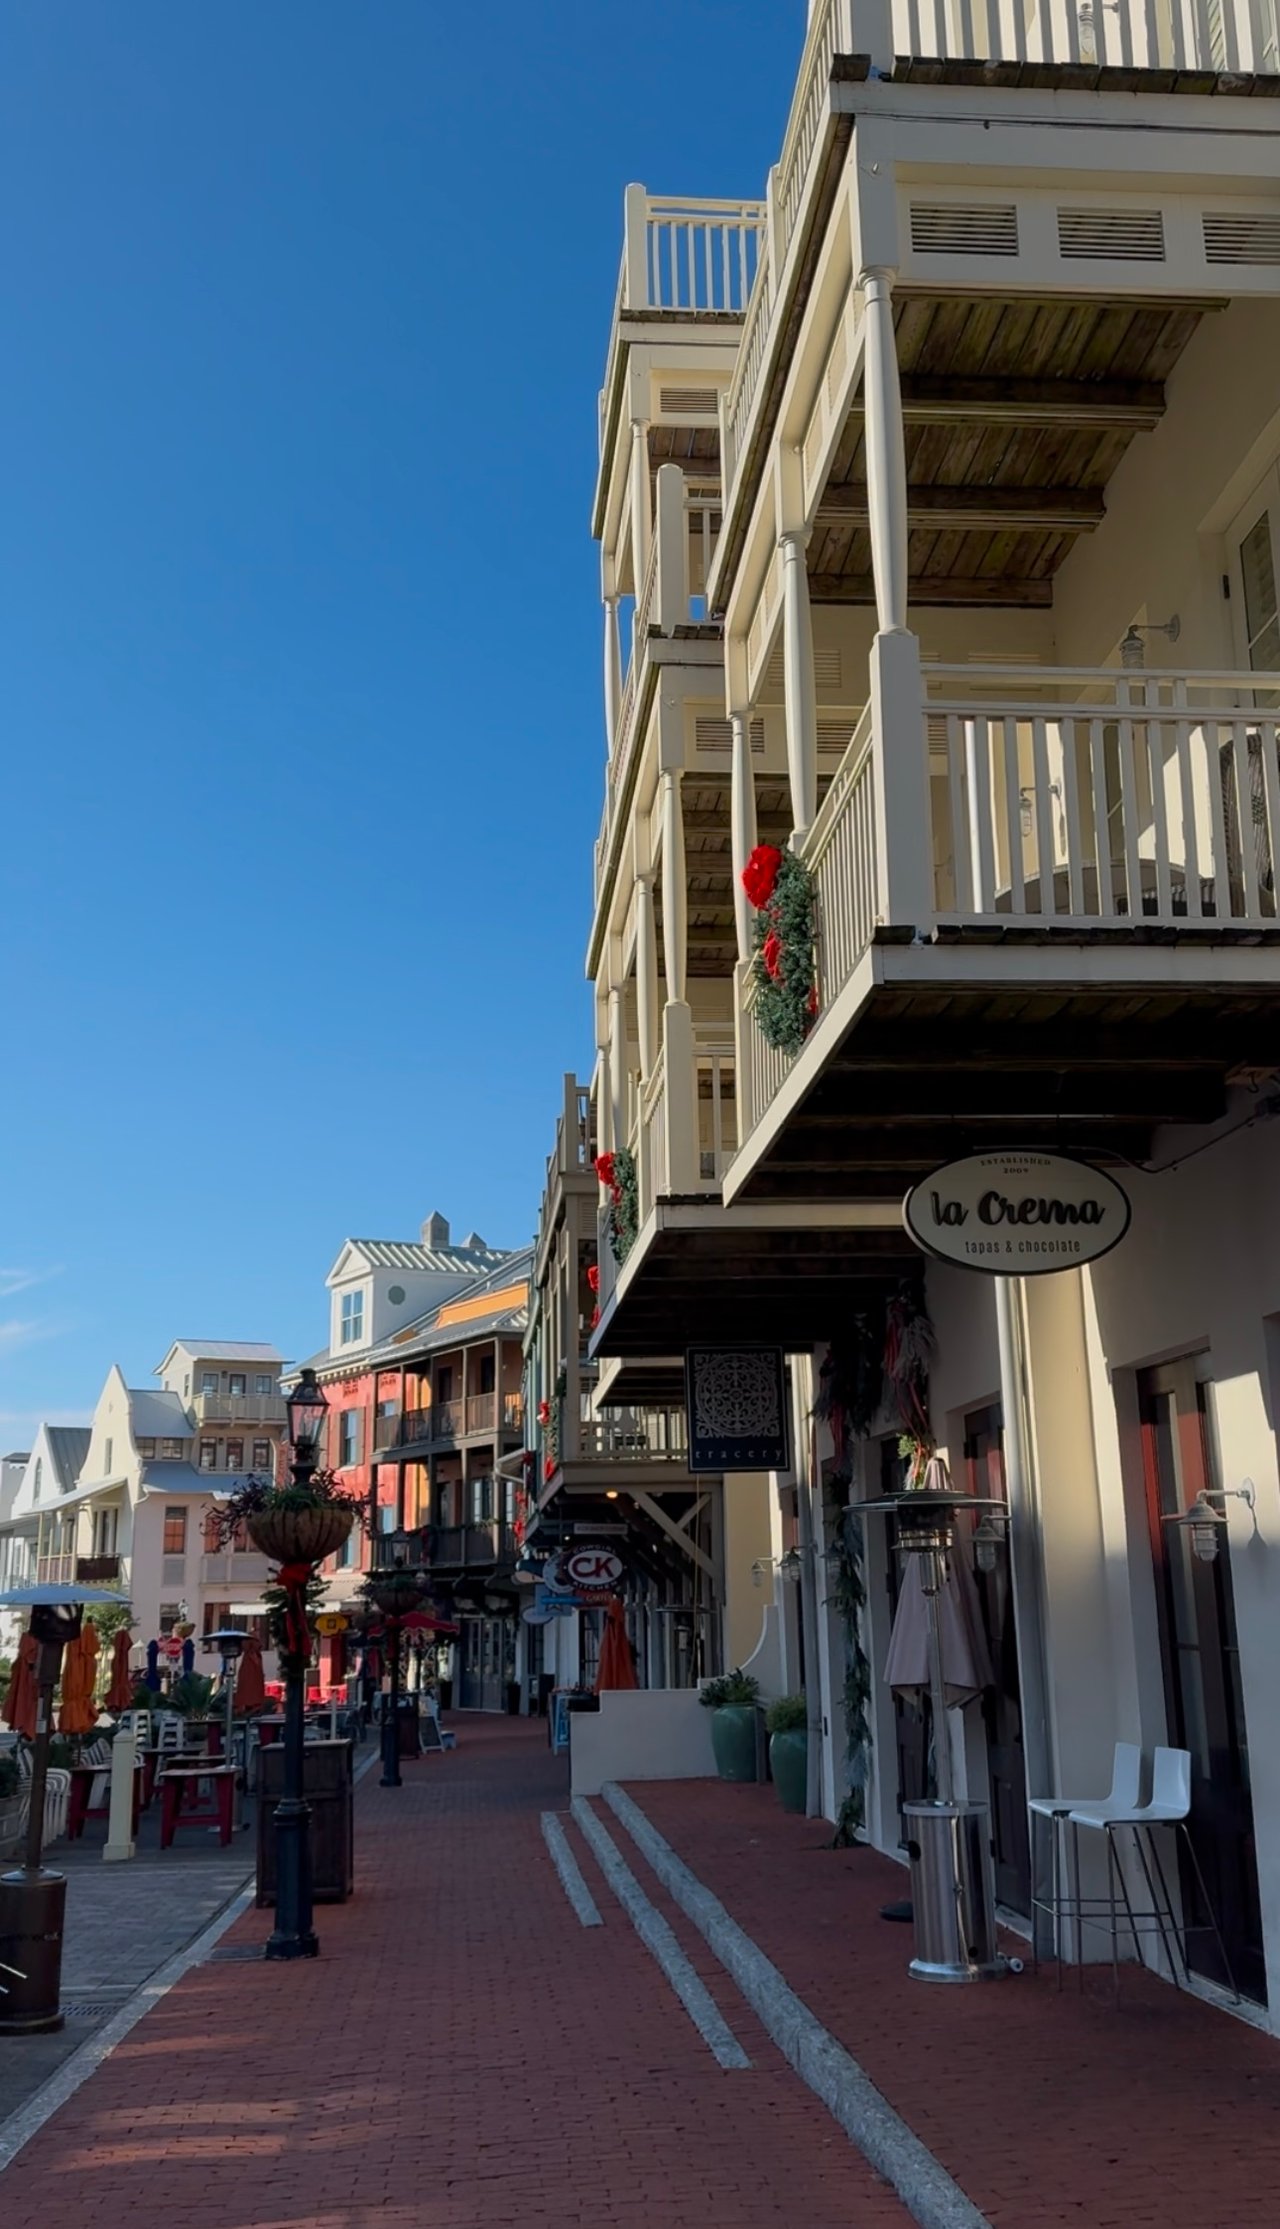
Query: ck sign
(591,1570)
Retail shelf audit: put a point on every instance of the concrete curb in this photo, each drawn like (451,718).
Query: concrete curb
(931,2196)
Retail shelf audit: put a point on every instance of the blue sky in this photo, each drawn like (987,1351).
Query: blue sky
(303,317)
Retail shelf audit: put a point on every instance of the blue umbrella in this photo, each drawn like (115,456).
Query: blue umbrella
(151,1677)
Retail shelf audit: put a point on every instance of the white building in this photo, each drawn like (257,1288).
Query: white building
(969,434)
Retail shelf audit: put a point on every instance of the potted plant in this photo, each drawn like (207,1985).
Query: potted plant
(788,1724)
(732,1703)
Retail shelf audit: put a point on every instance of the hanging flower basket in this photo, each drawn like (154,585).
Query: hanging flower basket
(306,1535)
(780,888)
(617,1173)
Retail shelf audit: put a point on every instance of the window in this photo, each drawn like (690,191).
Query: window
(208,1455)
(348,1438)
(35,1483)
(147,1449)
(486,1373)
(174,1542)
(107,1452)
(170,1451)
(170,1615)
(346,1553)
(208,1381)
(444,1383)
(264,1382)
(212,1544)
(352,1318)
(235,1455)
(186,1385)
(217,1617)
(237,1385)
(262,1455)
(240,1541)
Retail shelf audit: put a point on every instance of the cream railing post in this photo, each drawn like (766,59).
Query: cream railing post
(742,826)
(677,1021)
(635,252)
(903,823)
(124,1758)
(671,600)
(640,521)
(646,974)
(612,657)
(886,453)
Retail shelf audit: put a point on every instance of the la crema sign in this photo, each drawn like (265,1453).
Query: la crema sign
(1017,1214)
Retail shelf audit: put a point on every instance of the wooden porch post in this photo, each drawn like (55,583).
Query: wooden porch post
(646,973)
(640,521)
(742,825)
(799,688)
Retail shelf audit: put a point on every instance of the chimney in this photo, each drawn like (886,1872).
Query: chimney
(474,1244)
(435,1231)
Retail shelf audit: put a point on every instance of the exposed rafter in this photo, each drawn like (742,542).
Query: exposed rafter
(945,588)
(996,510)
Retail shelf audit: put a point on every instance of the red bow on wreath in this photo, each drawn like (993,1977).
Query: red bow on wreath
(605,1171)
(760,874)
(771,954)
(295,1578)
(593,1277)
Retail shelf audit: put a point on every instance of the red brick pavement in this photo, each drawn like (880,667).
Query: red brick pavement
(464,2055)
(1048,2109)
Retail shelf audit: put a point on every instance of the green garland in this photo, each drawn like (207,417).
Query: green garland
(848,1596)
(782,970)
(624,1203)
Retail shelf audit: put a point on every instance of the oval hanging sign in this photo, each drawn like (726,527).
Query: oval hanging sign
(588,1570)
(1017,1214)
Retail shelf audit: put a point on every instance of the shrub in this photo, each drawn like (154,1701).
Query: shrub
(736,1690)
(789,1715)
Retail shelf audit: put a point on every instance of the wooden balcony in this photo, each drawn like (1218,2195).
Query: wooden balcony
(101,1571)
(55,1571)
(486,1545)
(1045,901)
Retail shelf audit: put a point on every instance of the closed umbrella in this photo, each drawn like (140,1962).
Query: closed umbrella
(966,1661)
(78,1711)
(119,1693)
(617,1666)
(251,1691)
(151,1677)
(19,1707)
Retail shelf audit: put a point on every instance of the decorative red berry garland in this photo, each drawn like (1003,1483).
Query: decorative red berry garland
(780,888)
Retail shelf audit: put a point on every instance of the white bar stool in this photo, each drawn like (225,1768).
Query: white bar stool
(1169,1805)
(1126,1778)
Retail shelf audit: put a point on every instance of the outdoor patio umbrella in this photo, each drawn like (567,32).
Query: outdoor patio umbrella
(19,1708)
(151,1677)
(251,1691)
(617,1667)
(119,1693)
(966,1663)
(77,1713)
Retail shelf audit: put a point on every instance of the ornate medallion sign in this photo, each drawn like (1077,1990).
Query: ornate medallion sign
(590,1570)
(737,1409)
(1017,1214)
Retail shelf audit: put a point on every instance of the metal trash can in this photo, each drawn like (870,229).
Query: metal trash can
(32,1909)
(952,1892)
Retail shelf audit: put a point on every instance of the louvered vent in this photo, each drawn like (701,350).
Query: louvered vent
(936,731)
(834,736)
(716,735)
(826,673)
(1114,235)
(1231,236)
(688,402)
(964,228)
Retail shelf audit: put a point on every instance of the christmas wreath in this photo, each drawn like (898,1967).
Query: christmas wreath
(617,1173)
(780,888)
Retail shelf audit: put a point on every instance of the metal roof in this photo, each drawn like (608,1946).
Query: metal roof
(228,1350)
(187,1478)
(395,1253)
(68,1446)
(155,1416)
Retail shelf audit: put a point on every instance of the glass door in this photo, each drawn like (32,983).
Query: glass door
(1201,1664)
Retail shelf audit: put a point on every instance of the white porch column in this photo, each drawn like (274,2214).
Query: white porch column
(646,974)
(612,670)
(604,1103)
(798,685)
(618,1064)
(886,454)
(742,826)
(641,524)
(675,912)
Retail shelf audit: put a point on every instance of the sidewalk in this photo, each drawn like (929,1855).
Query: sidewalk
(464,2055)
(1047,2108)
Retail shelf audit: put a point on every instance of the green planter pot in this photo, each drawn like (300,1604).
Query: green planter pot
(733,1739)
(789,1763)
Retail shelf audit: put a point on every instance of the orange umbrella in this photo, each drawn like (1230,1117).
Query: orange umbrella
(617,1666)
(251,1690)
(78,1712)
(119,1694)
(19,1706)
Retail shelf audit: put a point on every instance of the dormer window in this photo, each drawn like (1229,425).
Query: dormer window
(352,1319)
(237,1385)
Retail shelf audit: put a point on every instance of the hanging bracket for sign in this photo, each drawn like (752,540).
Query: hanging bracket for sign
(1017,1214)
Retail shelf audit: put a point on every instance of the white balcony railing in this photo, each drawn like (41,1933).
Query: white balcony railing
(1239,37)
(1062,800)
(690,255)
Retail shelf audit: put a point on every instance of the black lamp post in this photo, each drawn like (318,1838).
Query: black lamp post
(395,1593)
(293,1935)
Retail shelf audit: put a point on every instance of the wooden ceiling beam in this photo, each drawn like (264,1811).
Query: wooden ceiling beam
(978,510)
(1130,405)
(949,588)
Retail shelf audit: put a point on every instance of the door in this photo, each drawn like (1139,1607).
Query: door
(470,1694)
(1001,1704)
(1204,1696)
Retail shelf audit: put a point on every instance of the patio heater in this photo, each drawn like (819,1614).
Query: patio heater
(229,1643)
(948,1842)
(33,1898)
(395,1591)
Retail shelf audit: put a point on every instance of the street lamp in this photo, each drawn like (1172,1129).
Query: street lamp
(395,1592)
(293,1935)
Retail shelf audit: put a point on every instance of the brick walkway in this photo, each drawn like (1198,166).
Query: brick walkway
(1048,2109)
(464,2055)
